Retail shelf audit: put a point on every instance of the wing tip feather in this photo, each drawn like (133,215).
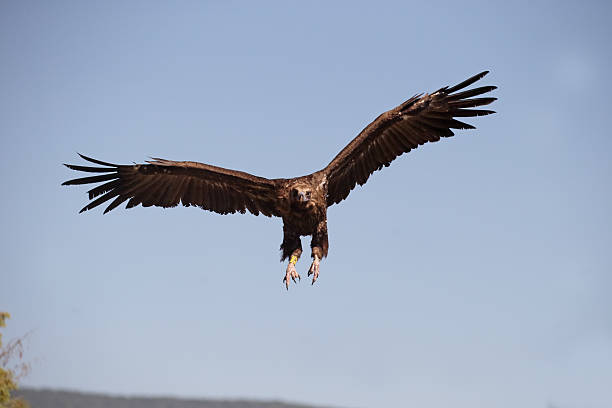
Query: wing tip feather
(466,83)
(96,161)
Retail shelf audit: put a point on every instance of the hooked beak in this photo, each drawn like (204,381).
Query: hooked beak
(302,197)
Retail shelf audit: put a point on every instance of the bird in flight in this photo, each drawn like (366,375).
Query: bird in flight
(301,202)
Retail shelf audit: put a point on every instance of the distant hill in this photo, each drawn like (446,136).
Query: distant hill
(68,399)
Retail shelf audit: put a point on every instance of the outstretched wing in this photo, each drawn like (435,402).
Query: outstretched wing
(421,119)
(166,183)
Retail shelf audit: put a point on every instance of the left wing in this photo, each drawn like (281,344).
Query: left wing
(166,183)
(421,119)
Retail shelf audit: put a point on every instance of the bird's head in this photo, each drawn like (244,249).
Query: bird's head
(301,196)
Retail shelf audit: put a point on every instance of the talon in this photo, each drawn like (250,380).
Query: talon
(291,273)
(314,269)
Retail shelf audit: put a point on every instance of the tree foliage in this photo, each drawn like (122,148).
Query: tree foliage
(10,372)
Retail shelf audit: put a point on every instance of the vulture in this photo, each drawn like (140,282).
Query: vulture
(301,202)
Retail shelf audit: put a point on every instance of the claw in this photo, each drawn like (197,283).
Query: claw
(314,269)
(291,274)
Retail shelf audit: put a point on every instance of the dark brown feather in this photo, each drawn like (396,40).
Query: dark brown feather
(102,199)
(471,103)
(101,163)
(116,202)
(466,83)
(90,169)
(421,119)
(471,112)
(471,92)
(94,192)
(91,179)
(167,183)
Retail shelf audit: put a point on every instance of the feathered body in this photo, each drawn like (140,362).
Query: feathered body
(302,201)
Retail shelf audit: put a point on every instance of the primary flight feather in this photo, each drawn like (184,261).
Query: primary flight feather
(301,201)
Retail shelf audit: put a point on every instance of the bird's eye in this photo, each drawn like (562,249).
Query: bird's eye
(308,194)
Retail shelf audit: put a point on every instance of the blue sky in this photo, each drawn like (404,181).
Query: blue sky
(472,272)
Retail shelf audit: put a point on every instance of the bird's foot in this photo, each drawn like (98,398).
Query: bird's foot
(314,269)
(291,272)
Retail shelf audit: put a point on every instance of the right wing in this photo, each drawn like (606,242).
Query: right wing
(421,119)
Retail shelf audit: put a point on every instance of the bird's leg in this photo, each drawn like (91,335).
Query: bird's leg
(291,273)
(314,267)
(292,249)
(319,245)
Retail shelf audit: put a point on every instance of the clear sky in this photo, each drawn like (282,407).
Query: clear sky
(473,272)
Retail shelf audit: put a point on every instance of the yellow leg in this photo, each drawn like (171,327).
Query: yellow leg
(291,273)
